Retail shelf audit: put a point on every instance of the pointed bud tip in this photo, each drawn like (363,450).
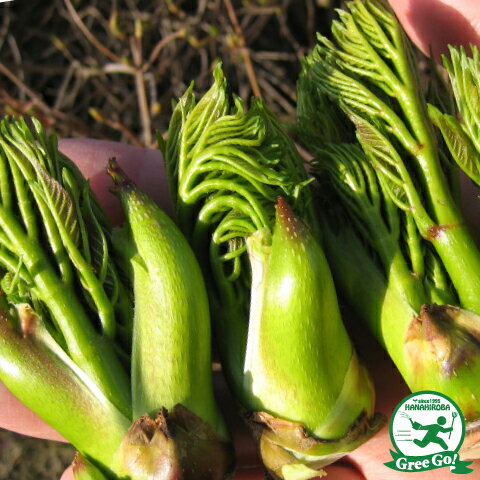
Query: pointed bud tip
(118,176)
(288,221)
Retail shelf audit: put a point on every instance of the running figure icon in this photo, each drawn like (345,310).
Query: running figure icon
(432,432)
(429,439)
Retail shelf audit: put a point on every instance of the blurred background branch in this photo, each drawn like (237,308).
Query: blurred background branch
(111,69)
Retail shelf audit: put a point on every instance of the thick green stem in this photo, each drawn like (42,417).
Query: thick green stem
(404,281)
(41,375)
(381,306)
(434,348)
(87,348)
(171,361)
(85,470)
(461,259)
(425,151)
(231,330)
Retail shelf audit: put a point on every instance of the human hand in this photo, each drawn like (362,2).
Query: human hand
(428,22)
(435,24)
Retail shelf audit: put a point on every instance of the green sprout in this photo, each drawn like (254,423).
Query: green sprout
(124,376)
(394,232)
(243,199)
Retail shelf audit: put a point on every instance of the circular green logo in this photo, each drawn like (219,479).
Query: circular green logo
(427,422)
(427,429)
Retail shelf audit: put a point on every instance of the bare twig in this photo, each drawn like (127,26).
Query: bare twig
(136,48)
(91,38)
(255,10)
(47,70)
(134,89)
(311,21)
(69,123)
(115,68)
(275,95)
(17,58)
(23,88)
(275,78)
(63,88)
(160,45)
(4,27)
(243,49)
(282,21)
(304,153)
(256,28)
(149,78)
(275,56)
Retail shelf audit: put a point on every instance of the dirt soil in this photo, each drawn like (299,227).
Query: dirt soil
(24,458)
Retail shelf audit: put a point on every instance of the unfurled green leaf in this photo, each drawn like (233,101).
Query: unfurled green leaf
(458,142)
(464,73)
(314,129)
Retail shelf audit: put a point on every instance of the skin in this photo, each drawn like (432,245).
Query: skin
(432,24)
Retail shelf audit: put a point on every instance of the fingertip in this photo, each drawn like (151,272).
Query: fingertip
(67,474)
(143,165)
(16,417)
(435,24)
